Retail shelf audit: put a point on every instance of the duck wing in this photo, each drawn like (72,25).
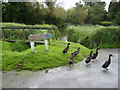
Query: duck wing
(65,50)
(94,55)
(88,59)
(106,64)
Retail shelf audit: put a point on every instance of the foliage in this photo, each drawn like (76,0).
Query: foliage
(96,12)
(106,23)
(90,13)
(41,59)
(33,13)
(19,46)
(94,36)
(103,37)
(114,12)
(19,34)
(79,33)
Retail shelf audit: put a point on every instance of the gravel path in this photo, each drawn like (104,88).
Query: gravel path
(77,76)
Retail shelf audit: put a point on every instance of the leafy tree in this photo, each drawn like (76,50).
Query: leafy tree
(114,12)
(96,12)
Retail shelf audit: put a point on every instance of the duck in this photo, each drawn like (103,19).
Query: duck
(88,59)
(76,52)
(71,60)
(66,49)
(107,63)
(94,55)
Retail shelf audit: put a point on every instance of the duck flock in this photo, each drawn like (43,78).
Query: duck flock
(90,58)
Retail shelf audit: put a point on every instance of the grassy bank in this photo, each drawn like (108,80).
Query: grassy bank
(105,37)
(95,36)
(41,59)
(79,33)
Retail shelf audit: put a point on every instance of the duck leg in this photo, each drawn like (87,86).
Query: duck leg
(106,69)
(88,63)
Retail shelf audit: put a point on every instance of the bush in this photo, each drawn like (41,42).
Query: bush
(19,46)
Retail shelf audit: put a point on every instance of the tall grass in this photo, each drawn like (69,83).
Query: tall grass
(79,33)
(105,37)
(95,36)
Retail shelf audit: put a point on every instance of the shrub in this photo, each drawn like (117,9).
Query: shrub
(19,46)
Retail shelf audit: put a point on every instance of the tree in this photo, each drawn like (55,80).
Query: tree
(77,14)
(114,12)
(96,12)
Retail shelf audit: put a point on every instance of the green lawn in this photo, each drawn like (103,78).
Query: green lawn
(41,59)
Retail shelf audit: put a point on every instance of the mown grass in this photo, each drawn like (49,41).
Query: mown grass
(41,59)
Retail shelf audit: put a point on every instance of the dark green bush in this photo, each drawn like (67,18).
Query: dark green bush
(19,46)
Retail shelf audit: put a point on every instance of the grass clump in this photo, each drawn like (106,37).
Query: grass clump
(41,59)
(19,46)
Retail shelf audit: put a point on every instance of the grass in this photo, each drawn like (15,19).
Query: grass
(105,37)
(18,34)
(7,24)
(41,59)
(79,33)
(95,36)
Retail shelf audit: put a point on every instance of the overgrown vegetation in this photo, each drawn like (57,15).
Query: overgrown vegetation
(19,34)
(105,37)
(79,33)
(19,46)
(95,36)
(41,59)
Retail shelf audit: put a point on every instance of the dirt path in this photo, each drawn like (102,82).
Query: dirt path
(77,76)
